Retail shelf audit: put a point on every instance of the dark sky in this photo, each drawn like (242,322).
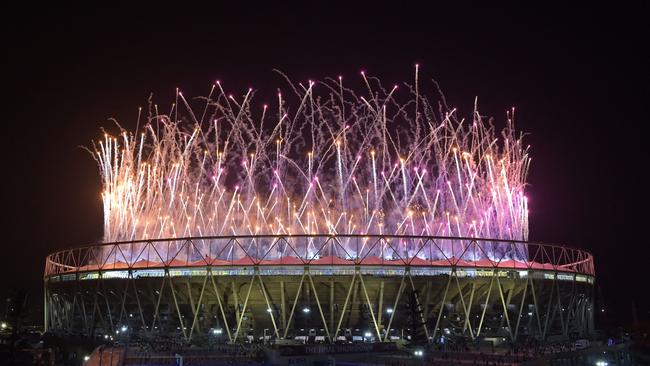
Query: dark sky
(577,76)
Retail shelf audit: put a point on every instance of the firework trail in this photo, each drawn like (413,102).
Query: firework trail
(325,159)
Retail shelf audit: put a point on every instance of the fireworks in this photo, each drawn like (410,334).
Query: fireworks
(324,160)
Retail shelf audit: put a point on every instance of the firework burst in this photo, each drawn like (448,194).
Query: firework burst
(325,159)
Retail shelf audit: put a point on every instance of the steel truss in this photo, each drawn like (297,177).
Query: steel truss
(101,290)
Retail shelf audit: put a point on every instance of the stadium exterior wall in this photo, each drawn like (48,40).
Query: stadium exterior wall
(196,293)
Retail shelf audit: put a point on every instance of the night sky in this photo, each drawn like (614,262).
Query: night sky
(577,77)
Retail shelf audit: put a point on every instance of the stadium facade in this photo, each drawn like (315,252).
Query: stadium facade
(320,288)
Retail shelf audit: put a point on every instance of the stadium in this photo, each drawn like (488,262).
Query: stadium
(352,217)
(214,289)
